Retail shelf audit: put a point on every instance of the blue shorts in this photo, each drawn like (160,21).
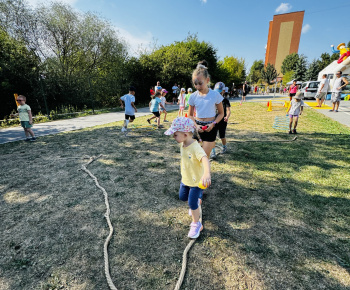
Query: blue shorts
(190,194)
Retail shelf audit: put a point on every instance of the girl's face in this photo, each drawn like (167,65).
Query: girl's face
(180,136)
(200,82)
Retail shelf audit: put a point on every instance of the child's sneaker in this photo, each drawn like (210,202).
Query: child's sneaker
(290,132)
(166,121)
(295,131)
(213,154)
(33,139)
(123,129)
(224,149)
(27,139)
(149,122)
(195,230)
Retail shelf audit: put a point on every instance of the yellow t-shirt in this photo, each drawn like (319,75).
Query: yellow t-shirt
(191,166)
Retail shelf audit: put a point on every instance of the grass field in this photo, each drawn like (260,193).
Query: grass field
(276,216)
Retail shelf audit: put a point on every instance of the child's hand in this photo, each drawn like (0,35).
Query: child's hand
(206,179)
(199,129)
(225,119)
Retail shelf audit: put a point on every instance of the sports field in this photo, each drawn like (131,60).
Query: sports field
(276,216)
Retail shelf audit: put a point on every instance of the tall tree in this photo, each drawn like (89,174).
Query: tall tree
(269,73)
(290,63)
(235,70)
(255,71)
(313,70)
(300,70)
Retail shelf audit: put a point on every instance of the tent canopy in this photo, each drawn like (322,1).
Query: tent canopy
(298,83)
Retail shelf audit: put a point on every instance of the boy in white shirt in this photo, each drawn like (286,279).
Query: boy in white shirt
(128,101)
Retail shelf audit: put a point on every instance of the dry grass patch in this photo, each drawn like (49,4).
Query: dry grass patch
(276,216)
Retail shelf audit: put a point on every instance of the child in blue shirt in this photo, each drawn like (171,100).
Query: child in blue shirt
(154,104)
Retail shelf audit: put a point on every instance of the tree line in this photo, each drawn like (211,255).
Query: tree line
(57,55)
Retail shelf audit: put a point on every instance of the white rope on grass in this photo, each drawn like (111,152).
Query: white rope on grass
(105,246)
(184,257)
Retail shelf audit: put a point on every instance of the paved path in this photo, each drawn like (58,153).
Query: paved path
(16,133)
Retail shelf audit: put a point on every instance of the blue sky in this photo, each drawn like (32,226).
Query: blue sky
(237,28)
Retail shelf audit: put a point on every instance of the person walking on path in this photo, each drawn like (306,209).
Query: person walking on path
(338,85)
(245,91)
(154,108)
(206,102)
(322,90)
(26,117)
(128,101)
(293,90)
(176,91)
(295,109)
(195,169)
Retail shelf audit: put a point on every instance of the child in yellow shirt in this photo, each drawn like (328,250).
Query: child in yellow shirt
(195,168)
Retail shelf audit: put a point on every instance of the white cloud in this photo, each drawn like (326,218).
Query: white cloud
(36,2)
(135,42)
(283,8)
(305,28)
(204,1)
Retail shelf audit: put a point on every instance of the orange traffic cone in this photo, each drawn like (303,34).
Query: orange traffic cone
(269,109)
(268,103)
(186,115)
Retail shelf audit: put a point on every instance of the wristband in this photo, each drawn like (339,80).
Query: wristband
(214,123)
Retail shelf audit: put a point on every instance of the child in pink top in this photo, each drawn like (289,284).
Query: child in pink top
(293,90)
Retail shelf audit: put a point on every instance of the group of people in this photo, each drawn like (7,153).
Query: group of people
(208,114)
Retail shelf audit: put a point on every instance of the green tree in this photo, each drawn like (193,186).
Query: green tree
(313,70)
(287,77)
(18,73)
(290,63)
(269,73)
(255,71)
(174,63)
(300,69)
(235,70)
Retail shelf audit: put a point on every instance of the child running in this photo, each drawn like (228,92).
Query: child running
(222,125)
(206,102)
(153,106)
(26,118)
(182,102)
(195,169)
(163,102)
(128,101)
(295,109)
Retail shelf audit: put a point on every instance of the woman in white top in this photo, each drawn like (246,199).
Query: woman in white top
(206,102)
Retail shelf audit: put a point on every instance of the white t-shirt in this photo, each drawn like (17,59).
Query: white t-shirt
(128,99)
(295,107)
(325,87)
(162,101)
(205,105)
(182,100)
(336,85)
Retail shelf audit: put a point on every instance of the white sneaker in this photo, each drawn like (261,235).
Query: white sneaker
(212,155)
(224,150)
(124,129)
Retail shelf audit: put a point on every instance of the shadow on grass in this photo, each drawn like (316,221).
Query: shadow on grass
(276,216)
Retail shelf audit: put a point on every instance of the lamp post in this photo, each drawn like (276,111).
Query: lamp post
(41,78)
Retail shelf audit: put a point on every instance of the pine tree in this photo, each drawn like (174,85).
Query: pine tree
(300,70)
(313,70)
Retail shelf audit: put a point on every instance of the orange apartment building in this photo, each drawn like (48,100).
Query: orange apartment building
(283,38)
